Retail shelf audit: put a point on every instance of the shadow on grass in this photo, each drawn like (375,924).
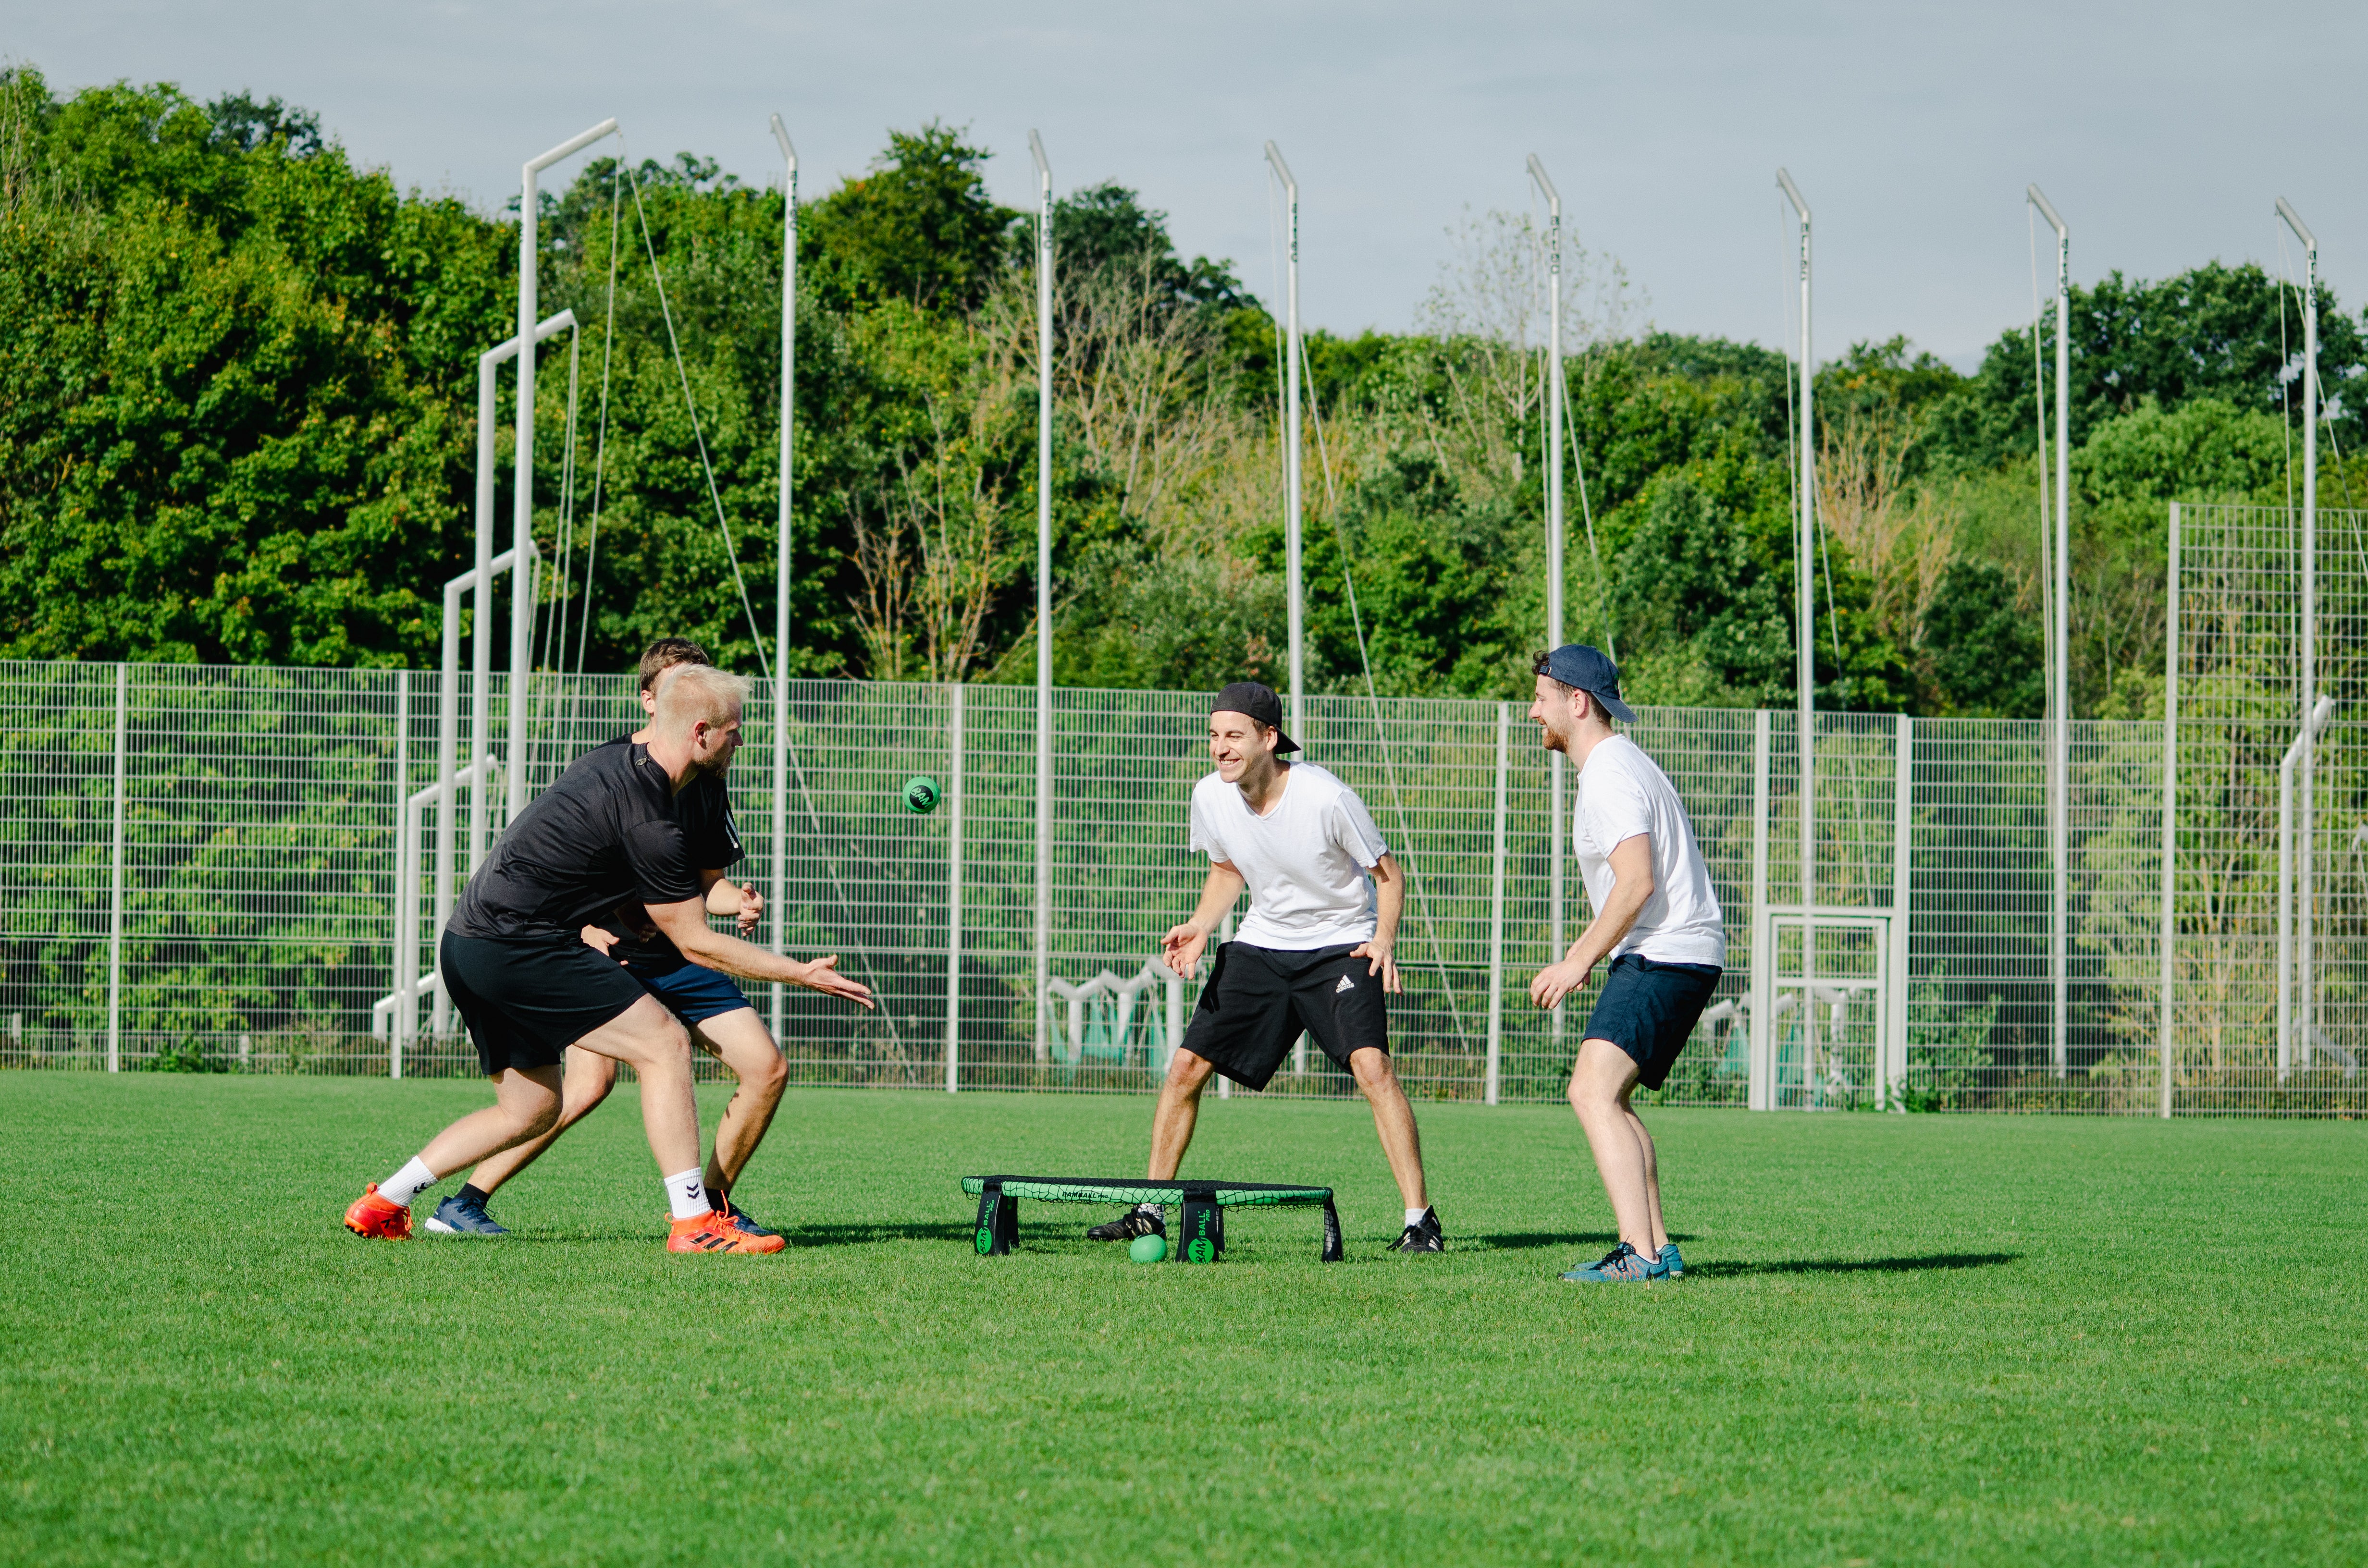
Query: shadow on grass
(1524,1240)
(1719,1270)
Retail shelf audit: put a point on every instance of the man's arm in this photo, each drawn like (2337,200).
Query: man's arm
(686,924)
(1389,903)
(1632,884)
(743,903)
(1183,944)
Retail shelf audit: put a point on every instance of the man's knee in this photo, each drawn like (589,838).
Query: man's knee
(767,1076)
(1187,1075)
(1370,1067)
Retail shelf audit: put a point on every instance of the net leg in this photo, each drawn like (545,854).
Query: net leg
(997,1230)
(1331,1233)
(1203,1236)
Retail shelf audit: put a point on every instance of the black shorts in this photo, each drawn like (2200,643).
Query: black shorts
(527,1000)
(1259,999)
(1649,1010)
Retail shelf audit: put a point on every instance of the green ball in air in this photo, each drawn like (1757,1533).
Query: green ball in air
(920,794)
(1148,1249)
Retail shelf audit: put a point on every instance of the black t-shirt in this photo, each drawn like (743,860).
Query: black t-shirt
(605,834)
(712,839)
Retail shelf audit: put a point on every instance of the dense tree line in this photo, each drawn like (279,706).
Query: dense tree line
(237,422)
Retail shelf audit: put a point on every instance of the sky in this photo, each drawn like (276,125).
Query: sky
(2162,131)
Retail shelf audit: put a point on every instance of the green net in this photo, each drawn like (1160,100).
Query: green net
(1093,1189)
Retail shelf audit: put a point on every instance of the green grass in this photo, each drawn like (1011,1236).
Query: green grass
(1924,1338)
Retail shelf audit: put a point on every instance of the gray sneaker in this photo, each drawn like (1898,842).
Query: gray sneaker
(457,1216)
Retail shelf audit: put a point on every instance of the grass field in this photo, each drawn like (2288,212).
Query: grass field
(1902,1339)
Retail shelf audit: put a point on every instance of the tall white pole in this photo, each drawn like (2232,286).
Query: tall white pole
(1044,991)
(115,879)
(1291,481)
(1805,654)
(1554,545)
(2059,729)
(954,781)
(781,560)
(2305,1010)
(522,481)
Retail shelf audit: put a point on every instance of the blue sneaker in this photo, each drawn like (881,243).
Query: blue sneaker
(1674,1265)
(1623,1264)
(457,1216)
(741,1222)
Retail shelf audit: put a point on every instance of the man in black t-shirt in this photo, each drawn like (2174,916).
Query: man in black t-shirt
(514,961)
(720,1021)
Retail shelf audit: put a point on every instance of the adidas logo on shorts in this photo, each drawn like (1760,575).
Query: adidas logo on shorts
(1346,984)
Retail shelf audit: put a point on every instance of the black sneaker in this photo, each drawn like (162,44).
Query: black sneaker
(1422,1235)
(457,1216)
(1128,1226)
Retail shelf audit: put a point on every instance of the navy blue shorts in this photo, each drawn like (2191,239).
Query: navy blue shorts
(693,994)
(1649,1010)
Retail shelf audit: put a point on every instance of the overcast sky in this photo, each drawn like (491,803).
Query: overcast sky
(2162,131)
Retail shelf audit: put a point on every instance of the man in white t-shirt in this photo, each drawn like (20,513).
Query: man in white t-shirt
(1656,918)
(1312,955)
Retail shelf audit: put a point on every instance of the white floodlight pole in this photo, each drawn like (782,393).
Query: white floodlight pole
(2320,713)
(1043,597)
(2059,685)
(1291,500)
(2306,1019)
(1805,654)
(1553,538)
(522,482)
(481,647)
(782,559)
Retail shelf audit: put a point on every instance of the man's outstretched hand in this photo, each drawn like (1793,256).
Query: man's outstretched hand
(1182,948)
(823,975)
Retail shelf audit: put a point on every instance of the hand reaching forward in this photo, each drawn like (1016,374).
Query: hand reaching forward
(1182,948)
(1558,980)
(823,975)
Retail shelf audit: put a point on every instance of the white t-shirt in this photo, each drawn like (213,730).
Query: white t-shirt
(1622,792)
(1305,860)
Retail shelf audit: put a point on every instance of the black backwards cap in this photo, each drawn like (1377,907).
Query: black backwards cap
(1575,664)
(1259,705)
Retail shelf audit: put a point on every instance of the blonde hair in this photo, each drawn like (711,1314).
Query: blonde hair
(693,692)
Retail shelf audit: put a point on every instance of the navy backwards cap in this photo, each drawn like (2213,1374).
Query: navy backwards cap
(1575,664)
(1259,705)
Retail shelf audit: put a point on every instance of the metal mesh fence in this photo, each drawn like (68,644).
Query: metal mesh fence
(205,868)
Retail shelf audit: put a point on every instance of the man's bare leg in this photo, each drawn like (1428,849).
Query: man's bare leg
(1179,1109)
(1652,1170)
(589,1079)
(741,1042)
(1599,1085)
(1394,1120)
(525,1104)
(658,1048)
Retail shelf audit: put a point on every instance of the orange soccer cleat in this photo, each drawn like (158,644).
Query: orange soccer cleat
(716,1232)
(375,1216)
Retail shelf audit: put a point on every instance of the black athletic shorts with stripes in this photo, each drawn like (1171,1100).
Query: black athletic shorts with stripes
(1259,999)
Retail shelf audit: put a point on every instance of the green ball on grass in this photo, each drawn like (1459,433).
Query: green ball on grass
(1148,1249)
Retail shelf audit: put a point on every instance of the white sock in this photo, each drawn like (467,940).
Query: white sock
(406,1184)
(1146,1207)
(687,1192)
(1414,1216)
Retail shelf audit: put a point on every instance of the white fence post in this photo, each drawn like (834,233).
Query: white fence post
(1496,915)
(1760,1095)
(1894,1077)
(2170,806)
(115,882)
(954,899)
(406,897)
